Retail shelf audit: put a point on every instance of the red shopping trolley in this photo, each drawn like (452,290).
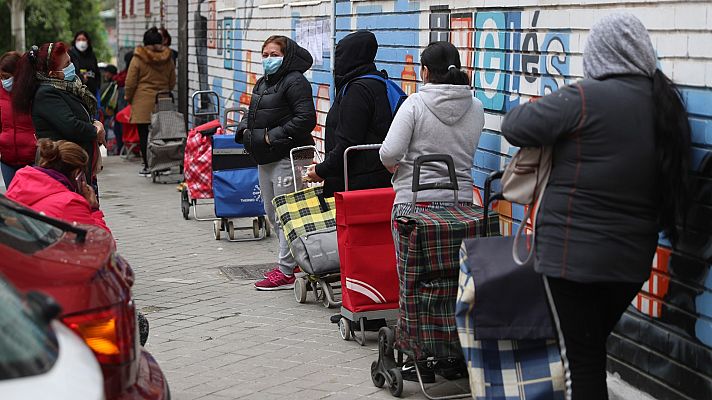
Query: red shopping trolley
(369,277)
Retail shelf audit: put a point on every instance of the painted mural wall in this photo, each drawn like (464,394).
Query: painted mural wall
(512,50)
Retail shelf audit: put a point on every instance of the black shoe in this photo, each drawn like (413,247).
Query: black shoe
(427,374)
(144,172)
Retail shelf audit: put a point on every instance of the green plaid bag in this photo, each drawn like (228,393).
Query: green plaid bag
(309,224)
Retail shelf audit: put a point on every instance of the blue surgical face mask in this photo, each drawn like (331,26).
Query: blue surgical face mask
(69,73)
(7,84)
(272,64)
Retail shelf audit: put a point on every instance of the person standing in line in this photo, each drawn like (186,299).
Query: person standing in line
(167,40)
(281,117)
(120,80)
(362,115)
(62,108)
(17,134)
(84,60)
(151,71)
(621,141)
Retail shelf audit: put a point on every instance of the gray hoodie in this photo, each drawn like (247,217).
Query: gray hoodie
(439,119)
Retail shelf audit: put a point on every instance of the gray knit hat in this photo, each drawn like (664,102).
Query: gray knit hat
(618,44)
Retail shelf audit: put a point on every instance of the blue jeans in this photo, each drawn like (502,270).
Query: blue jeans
(8,172)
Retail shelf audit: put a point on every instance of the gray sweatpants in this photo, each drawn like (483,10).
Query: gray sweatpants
(276,179)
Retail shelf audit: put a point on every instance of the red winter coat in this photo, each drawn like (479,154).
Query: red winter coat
(17,137)
(41,192)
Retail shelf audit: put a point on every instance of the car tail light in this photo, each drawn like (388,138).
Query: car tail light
(110,332)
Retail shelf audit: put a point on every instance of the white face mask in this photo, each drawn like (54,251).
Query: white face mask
(81,45)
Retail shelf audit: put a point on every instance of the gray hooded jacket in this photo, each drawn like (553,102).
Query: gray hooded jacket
(439,119)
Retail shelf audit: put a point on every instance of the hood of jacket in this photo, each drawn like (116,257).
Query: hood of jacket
(151,56)
(449,103)
(31,186)
(296,58)
(354,56)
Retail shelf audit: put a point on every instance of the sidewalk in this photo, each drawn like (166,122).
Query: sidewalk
(216,338)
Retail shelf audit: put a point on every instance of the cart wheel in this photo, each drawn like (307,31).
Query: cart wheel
(217,229)
(256,228)
(328,295)
(396,384)
(230,228)
(318,291)
(386,339)
(345,328)
(300,290)
(376,377)
(185,203)
(265,224)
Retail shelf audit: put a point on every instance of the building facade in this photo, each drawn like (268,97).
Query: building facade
(512,50)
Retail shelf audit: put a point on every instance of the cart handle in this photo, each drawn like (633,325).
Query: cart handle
(164,94)
(234,110)
(360,147)
(490,197)
(291,160)
(431,158)
(211,94)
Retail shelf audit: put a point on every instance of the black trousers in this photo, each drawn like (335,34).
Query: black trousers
(143,141)
(587,313)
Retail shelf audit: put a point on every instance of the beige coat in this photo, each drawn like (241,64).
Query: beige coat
(151,71)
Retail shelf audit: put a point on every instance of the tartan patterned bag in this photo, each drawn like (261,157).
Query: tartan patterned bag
(428,268)
(303,214)
(505,369)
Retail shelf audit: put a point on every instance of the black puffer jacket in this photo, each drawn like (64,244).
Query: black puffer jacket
(598,218)
(360,116)
(282,108)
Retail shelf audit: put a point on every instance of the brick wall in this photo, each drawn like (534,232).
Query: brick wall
(512,49)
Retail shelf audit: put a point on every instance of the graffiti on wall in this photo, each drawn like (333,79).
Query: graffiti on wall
(509,63)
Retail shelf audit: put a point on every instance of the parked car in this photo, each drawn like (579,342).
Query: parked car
(79,267)
(41,358)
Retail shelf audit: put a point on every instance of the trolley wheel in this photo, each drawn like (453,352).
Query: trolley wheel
(185,203)
(318,292)
(217,228)
(396,384)
(328,295)
(300,290)
(345,329)
(230,228)
(265,224)
(376,377)
(256,228)
(386,340)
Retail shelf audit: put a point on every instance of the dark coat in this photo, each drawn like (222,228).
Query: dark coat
(59,115)
(598,219)
(85,63)
(282,108)
(360,116)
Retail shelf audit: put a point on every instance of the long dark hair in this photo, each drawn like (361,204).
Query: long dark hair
(90,49)
(439,57)
(25,84)
(673,145)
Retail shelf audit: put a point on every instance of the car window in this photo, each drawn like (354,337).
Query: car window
(24,233)
(27,346)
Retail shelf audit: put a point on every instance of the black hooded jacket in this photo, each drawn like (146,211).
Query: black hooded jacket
(85,63)
(360,116)
(281,108)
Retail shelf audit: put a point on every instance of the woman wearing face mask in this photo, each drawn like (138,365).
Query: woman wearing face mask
(151,71)
(62,108)
(84,60)
(281,117)
(17,137)
(57,186)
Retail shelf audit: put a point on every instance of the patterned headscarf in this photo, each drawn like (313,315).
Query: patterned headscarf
(618,44)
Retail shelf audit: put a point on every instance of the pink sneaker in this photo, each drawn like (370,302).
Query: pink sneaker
(270,272)
(276,281)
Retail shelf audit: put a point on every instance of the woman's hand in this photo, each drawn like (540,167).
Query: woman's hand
(88,193)
(311,174)
(100,132)
(392,169)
